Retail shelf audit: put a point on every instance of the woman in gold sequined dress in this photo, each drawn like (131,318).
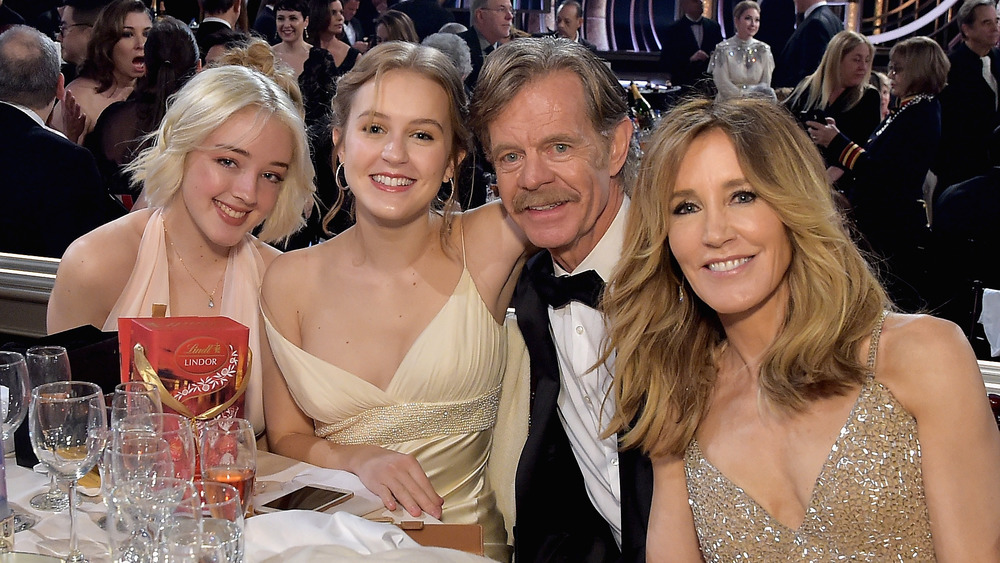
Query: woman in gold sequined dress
(389,338)
(789,417)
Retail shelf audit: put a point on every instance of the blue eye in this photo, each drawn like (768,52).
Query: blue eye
(684,208)
(744,197)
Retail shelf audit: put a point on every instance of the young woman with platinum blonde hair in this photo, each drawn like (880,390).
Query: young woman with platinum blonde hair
(749,327)
(230,155)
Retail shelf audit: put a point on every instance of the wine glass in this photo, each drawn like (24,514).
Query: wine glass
(15,394)
(229,455)
(178,432)
(68,429)
(218,538)
(139,511)
(135,455)
(134,399)
(48,364)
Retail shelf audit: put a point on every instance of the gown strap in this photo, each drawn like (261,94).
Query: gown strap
(873,344)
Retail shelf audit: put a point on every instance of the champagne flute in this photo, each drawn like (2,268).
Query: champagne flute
(15,394)
(48,364)
(68,428)
(229,455)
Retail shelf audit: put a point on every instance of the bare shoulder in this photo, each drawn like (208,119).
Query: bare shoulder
(291,275)
(267,252)
(920,358)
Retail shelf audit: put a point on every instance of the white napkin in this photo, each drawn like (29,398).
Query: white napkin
(990,319)
(304,535)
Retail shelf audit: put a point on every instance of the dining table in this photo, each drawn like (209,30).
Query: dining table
(359,529)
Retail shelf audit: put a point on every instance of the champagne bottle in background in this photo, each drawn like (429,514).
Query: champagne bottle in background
(641,109)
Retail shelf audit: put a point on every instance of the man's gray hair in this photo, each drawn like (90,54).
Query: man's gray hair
(515,65)
(476,5)
(967,13)
(29,67)
(455,47)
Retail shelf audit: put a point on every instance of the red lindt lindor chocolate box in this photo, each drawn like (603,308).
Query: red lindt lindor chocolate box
(200,364)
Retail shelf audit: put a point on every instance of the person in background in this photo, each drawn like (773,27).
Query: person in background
(554,122)
(969,101)
(491,24)
(353,30)
(121,131)
(220,15)
(870,432)
(326,31)
(428,15)
(880,81)
(231,155)
(454,48)
(51,191)
(415,328)
(292,20)
(839,89)
(75,30)
(805,48)
(569,22)
(115,60)
(687,43)
(265,23)
(393,25)
(890,169)
(741,65)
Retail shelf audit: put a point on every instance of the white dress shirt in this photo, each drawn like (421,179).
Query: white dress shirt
(34,117)
(584,406)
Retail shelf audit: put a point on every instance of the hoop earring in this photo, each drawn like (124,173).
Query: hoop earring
(341,185)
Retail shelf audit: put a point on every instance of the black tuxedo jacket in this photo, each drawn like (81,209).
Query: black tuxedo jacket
(968,117)
(804,49)
(202,33)
(679,45)
(555,519)
(51,190)
(475,54)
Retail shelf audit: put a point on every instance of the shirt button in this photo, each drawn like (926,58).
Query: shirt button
(579,329)
(586,399)
(614,462)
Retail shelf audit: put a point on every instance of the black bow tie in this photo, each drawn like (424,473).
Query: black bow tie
(585,287)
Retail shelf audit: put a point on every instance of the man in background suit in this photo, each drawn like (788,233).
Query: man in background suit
(801,54)
(569,21)
(554,122)
(687,44)
(220,15)
(50,191)
(491,21)
(969,101)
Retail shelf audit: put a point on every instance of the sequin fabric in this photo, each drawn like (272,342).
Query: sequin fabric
(868,503)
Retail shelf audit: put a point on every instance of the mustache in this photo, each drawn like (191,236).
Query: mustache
(522,200)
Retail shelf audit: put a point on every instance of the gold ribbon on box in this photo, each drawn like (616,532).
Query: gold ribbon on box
(149,375)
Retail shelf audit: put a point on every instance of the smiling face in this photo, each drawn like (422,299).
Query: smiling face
(396,147)
(336,17)
(231,184)
(128,54)
(291,25)
(731,245)
(747,24)
(855,66)
(554,171)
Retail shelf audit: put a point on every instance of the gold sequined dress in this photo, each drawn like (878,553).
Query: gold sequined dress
(868,503)
(440,405)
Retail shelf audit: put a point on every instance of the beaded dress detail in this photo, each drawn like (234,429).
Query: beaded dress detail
(742,68)
(867,504)
(440,405)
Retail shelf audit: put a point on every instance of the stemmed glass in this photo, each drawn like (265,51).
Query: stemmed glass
(228,449)
(134,399)
(217,537)
(68,428)
(15,393)
(48,364)
(139,511)
(178,433)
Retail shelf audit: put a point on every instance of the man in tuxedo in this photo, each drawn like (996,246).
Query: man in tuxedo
(569,21)
(801,54)
(554,122)
(220,15)
(687,44)
(491,21)
(969,101)
(51,191)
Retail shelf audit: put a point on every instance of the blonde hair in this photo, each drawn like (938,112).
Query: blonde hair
(206,102)
(255,53)
(818,87)
(667,349)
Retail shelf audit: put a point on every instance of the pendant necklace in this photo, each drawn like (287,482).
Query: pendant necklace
(211,296)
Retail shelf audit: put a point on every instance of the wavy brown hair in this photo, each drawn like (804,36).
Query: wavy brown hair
(108,28)
(667,349)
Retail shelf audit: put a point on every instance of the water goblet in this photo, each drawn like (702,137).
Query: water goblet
(228,449)
(141,509)
(218,538)
(48,364)
(15,393)
(68,429)
(134,399)
(177,431)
